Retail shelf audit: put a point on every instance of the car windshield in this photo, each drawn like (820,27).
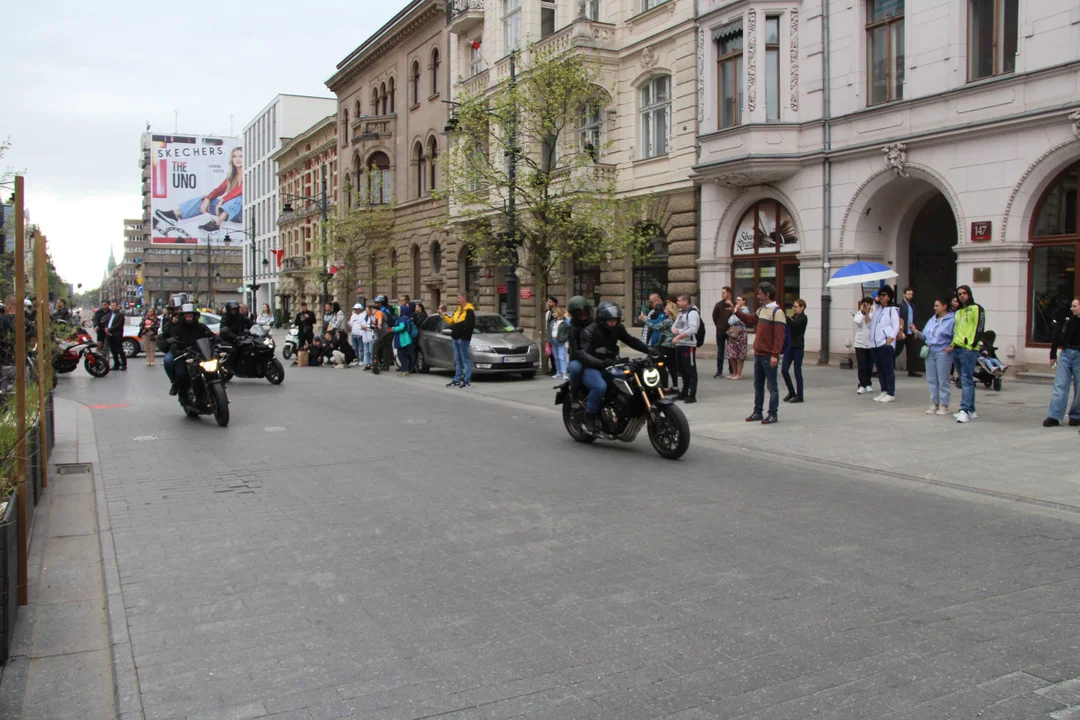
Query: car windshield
(493,324)
(209,319)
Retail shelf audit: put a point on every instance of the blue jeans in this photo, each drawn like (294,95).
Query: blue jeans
(193,207)
(938,365)
(560,358)
(885,360)
(1068,374)
(576,370)
(596,382)
(794,357)
(358,347)
(462,362)
(762,372)
(967,360)
(170,366)
(407,359)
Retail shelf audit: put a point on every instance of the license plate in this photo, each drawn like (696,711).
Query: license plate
(515,359)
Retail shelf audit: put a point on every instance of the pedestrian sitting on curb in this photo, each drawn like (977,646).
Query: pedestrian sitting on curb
(1066,364)
(316,352)
(936,350)
(794,356)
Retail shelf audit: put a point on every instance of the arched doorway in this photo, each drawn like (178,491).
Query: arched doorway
(765,249)
(1055,240)
(932,260)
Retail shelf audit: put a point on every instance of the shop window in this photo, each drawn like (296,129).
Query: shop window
(992,37)
(587,282)
(884,50)
(764,249)
(1052,279)
(650,273)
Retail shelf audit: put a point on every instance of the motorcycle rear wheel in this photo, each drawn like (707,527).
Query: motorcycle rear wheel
(99,368)
(669,431)
(575,430)
(275,372)
(221,404)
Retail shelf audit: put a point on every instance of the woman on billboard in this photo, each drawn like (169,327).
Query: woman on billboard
(225,202)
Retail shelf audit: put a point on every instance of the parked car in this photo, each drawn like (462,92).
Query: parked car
(497,347)
(133,343)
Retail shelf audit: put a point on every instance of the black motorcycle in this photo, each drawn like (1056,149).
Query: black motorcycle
(206,393)
(251,357)
(633,399)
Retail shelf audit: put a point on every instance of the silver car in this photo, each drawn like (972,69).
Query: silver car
(497,347)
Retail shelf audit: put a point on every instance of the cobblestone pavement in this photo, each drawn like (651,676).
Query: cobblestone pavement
(360,547)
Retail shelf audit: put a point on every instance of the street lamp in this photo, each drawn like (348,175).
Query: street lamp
(250,235)
(321,200)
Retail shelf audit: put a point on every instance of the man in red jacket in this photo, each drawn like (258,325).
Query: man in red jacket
(770,323)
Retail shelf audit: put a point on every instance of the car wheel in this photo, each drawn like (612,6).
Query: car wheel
(131,348)
(421,362)
(529,375)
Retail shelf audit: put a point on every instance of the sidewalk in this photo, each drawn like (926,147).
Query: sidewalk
(1005,452)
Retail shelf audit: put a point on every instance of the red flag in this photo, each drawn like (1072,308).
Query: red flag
(279,255)
(333,269)
(475,44)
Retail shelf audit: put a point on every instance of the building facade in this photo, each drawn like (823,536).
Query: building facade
(391,119)
(307,167)
(284,117)
(941,138)
(644,119)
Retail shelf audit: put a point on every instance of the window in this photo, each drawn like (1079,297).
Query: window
(590,126)
(383,100)
(764,249)
(591,10)
(373,273)
(587,282)
(344,128)
(992,37)
(476,60)
(469,274)
(885,50)
(435,71)
(374,101)
(415,83)
(772,68)
(390,93)
(655,111)
(378,179)
(436,257)
(511,25)
(547,18)
(729,49)
(432,156)
(1055,252)
(650,272)
(421,170)
(650,4)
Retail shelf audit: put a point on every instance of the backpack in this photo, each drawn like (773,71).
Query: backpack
(700,327)
(787,333)
(414,332)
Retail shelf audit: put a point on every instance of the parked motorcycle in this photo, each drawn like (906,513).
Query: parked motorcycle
(80,346)
(251,357)
(292,341)
(633,399)
(206,393)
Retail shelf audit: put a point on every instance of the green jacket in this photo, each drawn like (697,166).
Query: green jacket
(970,323)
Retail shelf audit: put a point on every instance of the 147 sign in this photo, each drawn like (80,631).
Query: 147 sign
(980,231)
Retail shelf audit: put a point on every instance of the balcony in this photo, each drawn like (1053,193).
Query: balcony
(294,264)
(475,85)
(754,154)
(372,128)
(464,15)
(581,33)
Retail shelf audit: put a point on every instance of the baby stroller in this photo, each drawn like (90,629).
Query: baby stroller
(988,370)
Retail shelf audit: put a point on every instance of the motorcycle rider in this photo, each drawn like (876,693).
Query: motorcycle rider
(580,310)
(383,349)
(597,348)
(182,335)
(168,323)
(234,326)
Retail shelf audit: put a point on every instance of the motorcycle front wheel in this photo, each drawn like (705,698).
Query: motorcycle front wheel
(575,430)
(96,364)
(275,372)
(287,351)
(221,404)
(669,431)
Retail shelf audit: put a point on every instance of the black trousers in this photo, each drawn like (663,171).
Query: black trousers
(116,345)
(670,366)
(688,369)
(866,366)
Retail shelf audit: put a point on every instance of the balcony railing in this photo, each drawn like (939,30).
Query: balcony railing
(464,15)
(293,263)
(581,32)
(373,127)
(477,84)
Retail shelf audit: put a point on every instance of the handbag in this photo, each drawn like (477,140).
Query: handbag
(924,351)
(547,349)
(733,332)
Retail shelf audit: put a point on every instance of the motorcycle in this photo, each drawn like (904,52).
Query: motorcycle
(80,346)
(292,340)
(633,399)
(251,357)
(206,393)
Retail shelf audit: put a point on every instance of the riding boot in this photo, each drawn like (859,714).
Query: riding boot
(590,423)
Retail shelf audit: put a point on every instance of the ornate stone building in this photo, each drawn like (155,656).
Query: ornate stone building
(391,117)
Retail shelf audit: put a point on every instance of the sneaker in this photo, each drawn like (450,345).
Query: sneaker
(888,399)
(756,417)
(405,374)
(796,399)
(943,410)
(881,397)
(973,415)
(465,385)
(789,397)
(769,420)
(453,383)
(690,400)
(861,390)
(963,417)
(1073,422)
(717,376)
(1050,422)
(932,410)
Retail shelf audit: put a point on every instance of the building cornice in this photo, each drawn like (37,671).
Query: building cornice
(330,121)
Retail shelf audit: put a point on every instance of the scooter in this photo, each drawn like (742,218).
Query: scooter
(292,341)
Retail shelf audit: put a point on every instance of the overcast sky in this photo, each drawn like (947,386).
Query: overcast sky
(82,80)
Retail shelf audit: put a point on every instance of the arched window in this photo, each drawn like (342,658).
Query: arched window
(414,263)
(359,109)
(765,249)
(416,82)
(650,270)
(374,101)
(435,71)
(347,190)
(345,127)
(390,93)
(436,257)
(378,179)
(432,156)
(421,169)
(590,129)
(1052,278)
(383,99)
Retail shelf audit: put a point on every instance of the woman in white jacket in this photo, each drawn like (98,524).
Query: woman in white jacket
(360,334)
(861,342)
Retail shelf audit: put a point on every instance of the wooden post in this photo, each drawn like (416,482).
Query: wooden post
(44,354)
(20,385)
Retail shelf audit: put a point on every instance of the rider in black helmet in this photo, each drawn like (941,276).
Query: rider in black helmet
(182,336)
(597,349)
(233,324)
(580,311)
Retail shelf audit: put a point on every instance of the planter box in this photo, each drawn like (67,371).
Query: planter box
(33,466)
(9,576)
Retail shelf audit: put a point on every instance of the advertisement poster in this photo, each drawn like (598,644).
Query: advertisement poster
(197,192)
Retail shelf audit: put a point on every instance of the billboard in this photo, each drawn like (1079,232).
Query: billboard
(196,188)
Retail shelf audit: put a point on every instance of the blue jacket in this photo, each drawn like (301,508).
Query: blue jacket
(402,338)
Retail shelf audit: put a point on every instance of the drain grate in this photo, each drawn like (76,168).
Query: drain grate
(73,468)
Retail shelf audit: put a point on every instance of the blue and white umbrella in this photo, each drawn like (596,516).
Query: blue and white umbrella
(861,272)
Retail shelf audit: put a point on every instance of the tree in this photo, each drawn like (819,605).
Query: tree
(364,230)
(567,208)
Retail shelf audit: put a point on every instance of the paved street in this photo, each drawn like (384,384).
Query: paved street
(361,547)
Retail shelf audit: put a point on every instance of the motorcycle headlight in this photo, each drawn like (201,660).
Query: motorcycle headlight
(209,365)
(651,377)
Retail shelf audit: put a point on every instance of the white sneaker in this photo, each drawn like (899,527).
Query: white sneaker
(888,399)
(972,415)
(860,391)
(963,417)
(932,410)
(943,410)
(881,397)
